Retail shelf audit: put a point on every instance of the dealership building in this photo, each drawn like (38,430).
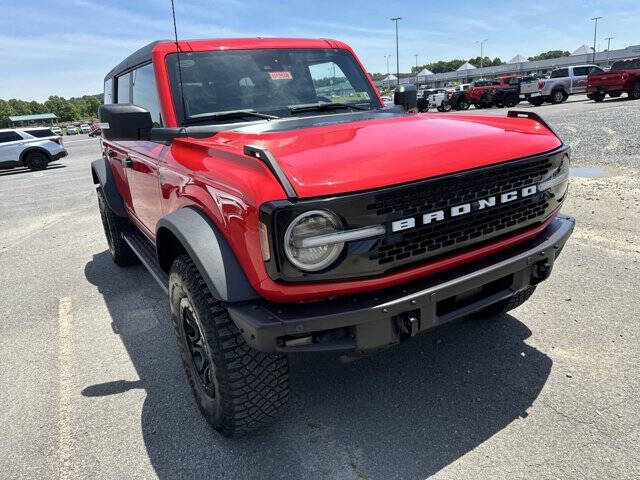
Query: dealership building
(517,65)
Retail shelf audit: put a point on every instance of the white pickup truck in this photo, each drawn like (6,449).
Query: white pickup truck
(561,83)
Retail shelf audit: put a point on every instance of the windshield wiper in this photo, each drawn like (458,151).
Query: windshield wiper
(324,107)
(228,114)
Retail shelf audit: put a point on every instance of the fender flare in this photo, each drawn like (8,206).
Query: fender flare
(28,150)
(208,249)
(102,175)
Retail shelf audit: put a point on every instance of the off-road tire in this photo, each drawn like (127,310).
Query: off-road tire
(536,101)
(113,226)
(615,94)
(446,106)
(557,96)
(506,305)
(36,161)
(463,105)
(511,100)
(597,97)
(237,388)
(487,100)
(634,93)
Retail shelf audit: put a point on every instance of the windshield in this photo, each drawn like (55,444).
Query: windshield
(269,81)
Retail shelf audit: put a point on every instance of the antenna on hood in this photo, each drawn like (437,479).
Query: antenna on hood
(175,33)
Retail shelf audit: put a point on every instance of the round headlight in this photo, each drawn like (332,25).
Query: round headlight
(312,224)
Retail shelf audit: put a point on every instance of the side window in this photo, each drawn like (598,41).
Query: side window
(6,137)
(144,92)
(123,88)
(595,70)
(562,72)
(331,84)
(580,71)
(108,91)
(40,133)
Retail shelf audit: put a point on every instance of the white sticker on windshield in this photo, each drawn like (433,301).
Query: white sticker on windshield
(280,75)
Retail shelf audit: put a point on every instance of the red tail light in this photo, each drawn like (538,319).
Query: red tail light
(540,84)
(58,140)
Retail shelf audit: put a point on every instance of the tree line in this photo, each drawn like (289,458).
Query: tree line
(443,66)
(67,110)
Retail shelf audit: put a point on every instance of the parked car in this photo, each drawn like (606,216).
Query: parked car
(85,128)
(57,130)
(624,76)
(72,130)
(33,148)
(457,98)
(387,100)
(564,82)
(529,89)
(503,91)
(279,222)
(95,129)
(437,98)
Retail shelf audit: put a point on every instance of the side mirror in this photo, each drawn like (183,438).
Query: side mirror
(407,96)
(125,122)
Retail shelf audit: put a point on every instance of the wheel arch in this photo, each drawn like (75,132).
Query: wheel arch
(102,175)
(29,150)
(190,231)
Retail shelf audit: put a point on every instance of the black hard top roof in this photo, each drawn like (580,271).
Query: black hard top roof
(142,55)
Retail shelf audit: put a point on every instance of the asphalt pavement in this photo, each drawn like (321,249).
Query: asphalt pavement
(92,385)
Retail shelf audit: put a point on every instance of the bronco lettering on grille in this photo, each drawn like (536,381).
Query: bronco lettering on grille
(464,208)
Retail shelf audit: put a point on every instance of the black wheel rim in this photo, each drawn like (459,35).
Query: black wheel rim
(196,342)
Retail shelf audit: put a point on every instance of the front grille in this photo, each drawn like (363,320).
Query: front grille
(429,240)
(422,243)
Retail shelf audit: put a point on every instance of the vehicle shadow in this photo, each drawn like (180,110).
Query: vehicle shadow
(406,412)
(19,170)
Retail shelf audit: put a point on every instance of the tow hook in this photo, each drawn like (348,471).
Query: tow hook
(541,271)
(408,324)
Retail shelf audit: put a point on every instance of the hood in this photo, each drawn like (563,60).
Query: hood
(362,155)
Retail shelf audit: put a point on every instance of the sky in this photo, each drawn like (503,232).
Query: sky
(65,47)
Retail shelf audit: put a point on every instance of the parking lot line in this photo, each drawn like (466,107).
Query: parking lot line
(65,313)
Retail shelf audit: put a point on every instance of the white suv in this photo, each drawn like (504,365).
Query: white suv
(29,147)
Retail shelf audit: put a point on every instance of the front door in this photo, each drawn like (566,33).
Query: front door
(141,168)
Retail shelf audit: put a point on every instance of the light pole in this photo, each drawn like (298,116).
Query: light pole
(395,19)
(482,42)
(416,55)
(595,30)
(608,39)
(388,74)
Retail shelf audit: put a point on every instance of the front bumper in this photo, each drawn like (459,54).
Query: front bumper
(377,319)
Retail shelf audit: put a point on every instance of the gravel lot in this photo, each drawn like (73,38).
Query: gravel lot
(92,385)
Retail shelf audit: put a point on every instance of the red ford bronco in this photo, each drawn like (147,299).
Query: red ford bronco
(624,76)
(282,209)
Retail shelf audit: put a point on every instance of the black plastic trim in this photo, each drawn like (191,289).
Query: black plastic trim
(264,324)
(269,160)
(532,116)
(102,175)
(208,249)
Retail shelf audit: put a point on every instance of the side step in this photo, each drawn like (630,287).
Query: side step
(146,252)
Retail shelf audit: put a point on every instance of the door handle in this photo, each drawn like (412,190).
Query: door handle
(127,162)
